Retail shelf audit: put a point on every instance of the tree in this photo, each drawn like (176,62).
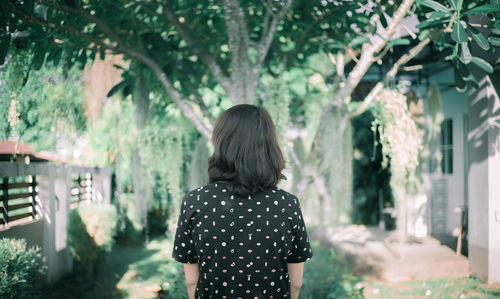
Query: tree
(49,105)
(232,44)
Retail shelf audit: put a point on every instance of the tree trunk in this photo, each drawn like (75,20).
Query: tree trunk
(335,165)
(400,201)
(340,174)
(325,183)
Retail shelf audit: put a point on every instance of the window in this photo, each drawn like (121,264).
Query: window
(446,146)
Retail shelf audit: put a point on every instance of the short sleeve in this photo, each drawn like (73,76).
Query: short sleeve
(301,249)
(184,247)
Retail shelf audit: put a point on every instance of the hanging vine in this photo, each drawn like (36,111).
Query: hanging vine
(161,152)
(401,143)
(398,133)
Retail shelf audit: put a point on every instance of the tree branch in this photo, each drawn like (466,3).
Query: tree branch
(69,29)
(80,11)
(172,92)
(392,74)
(376,43)
(199,101)
(122,49)
(201,52)
(268,34)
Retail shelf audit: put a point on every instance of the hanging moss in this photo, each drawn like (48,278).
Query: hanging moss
(161,153)
(277,103)
(197,174)
(12,80)
(336,166)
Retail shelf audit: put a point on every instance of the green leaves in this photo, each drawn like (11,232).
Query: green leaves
(465,55)
(460,83)
(38,58)
(359,40)
(454,53)
(433,4)
(458,34)
(484,9)
(479,38)
(398,42)
(438,15)
(4,48)
(482,64)
(116,88)
(431,23)
(456,4)
(495,41)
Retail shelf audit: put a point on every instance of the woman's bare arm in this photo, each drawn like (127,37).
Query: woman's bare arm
(191,272)
(295,271)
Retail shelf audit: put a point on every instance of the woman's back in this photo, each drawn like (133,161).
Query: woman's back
(242,244)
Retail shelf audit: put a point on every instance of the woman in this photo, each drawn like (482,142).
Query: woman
(240,236)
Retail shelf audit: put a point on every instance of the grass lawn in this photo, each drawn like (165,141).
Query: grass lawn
(129,272)
(466,287)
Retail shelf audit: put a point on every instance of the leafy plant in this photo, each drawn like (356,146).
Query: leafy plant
(19,266)
(128,227)
(44,107)
(173,286)
(462,33)
(326,276)
(91,232)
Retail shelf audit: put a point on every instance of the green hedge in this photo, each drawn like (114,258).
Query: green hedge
(18,268)
(91,232)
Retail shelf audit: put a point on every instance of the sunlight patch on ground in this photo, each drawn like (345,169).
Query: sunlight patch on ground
(142,278)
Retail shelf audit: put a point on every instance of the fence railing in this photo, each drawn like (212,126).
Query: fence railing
(48,192)
(81,189)
(19,200)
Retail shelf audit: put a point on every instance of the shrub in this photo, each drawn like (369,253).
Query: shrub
(325,276)
(91,231)
(129,230)
(173,285)
(18,268)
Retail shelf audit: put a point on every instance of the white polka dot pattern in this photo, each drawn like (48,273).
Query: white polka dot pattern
(241,244)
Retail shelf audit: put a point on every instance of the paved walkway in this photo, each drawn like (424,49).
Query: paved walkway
(374,254)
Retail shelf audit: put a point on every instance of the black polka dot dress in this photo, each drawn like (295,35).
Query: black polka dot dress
(241,244)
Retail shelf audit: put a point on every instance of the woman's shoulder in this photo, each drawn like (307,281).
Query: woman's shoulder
(214,188)
(207,190)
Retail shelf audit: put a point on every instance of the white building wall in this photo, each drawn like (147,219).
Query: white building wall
(484,179)
(454,106)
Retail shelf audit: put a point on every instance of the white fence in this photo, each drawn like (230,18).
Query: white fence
(51,198)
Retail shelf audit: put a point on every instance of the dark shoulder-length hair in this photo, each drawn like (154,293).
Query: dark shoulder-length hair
(247,154)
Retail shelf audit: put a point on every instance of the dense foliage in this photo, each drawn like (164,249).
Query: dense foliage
(44,107)
(91,231)
(19,265)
